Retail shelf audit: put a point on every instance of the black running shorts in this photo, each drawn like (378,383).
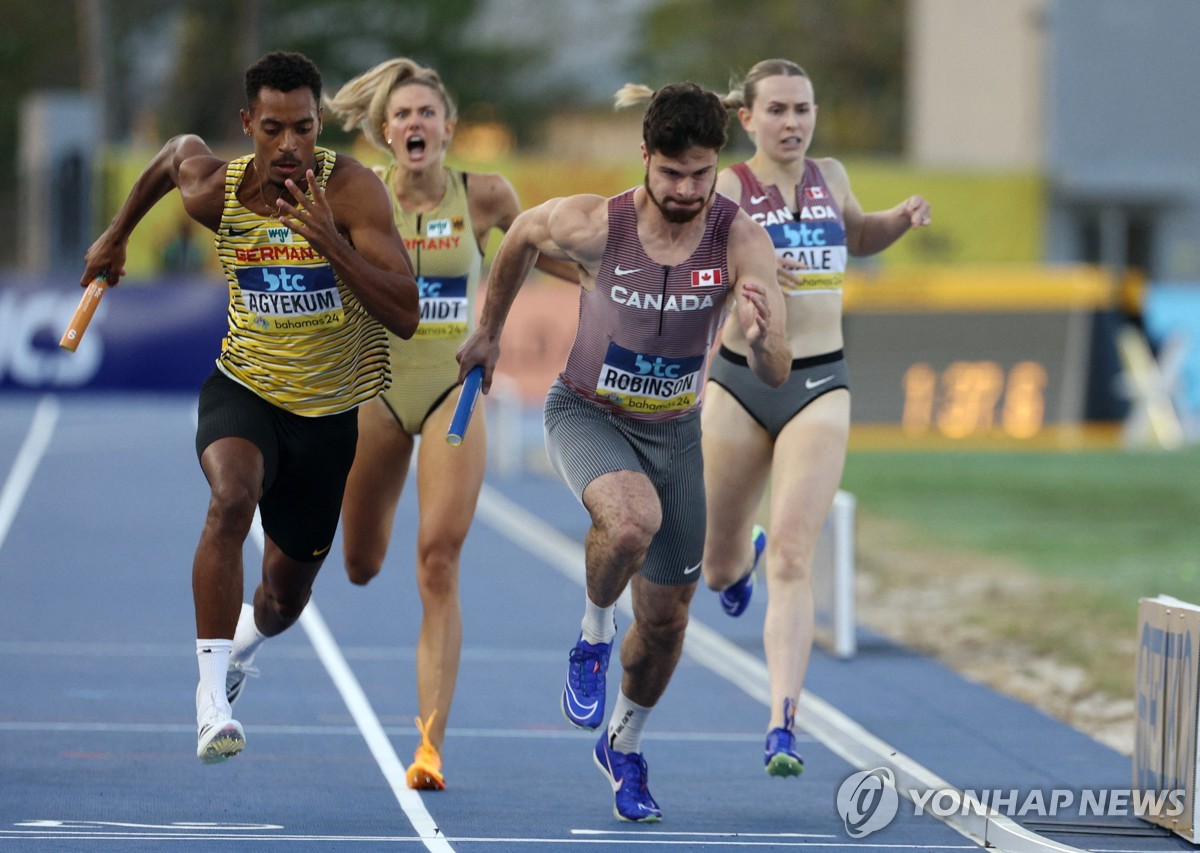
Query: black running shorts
(305,460)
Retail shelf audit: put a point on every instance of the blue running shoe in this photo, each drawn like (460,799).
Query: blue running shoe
(780,756)
(628,775)
(583,695)
(736,598)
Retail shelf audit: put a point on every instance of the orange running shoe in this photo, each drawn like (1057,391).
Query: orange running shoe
(425,772)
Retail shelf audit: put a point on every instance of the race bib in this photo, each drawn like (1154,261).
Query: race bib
(443,306)
(286,299)
(820,247)
(648,384)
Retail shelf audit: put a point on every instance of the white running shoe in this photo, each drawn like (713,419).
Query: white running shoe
(219,739)
(218,735)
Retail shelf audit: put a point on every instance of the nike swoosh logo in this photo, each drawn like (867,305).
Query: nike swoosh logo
(811,384)
(696,567)
(234,232)
(758,199)
(618,271)
(317,552)
(577,707)
(617,784)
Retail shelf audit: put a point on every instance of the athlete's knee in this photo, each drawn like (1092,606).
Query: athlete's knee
(720,574)
(789,561)
(630,532)
(280,612)
(440,553)
(437,571)
(363,553)
(716,581)
(361,569)
(231,509)
(725,563)
(629,542)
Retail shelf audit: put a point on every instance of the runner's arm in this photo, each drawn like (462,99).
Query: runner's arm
(185,162)
(494,204)
(564,229)
(869,233)
(759,306)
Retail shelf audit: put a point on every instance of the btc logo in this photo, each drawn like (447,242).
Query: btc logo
(288,282)
(658,367)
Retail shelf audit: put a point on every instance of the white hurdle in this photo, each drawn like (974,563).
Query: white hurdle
(833,579)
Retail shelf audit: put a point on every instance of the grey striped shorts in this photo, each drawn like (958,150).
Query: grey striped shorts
(585,440)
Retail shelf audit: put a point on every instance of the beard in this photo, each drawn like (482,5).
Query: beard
(679,215)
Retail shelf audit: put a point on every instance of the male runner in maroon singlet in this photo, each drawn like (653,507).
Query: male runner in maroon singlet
(660,266)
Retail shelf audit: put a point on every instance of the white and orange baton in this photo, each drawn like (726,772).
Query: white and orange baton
(88,303)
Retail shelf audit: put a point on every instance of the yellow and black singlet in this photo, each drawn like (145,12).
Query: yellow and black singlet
(298,336)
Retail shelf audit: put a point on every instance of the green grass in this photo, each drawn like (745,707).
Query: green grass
(1122,525)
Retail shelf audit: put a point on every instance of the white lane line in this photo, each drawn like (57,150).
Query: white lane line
(838,732)
(624,842)
(660,833)
(758,838)
(33,448)
(39,726)
(365,718)
(389,654)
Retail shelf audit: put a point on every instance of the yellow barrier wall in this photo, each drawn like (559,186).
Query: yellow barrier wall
(978,218)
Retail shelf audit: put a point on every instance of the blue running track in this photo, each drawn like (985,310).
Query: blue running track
(101,502)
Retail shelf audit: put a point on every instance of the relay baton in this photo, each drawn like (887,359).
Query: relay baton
(83,314)
(466,405)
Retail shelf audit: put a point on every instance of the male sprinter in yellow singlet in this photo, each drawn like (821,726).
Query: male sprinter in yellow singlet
(316,272)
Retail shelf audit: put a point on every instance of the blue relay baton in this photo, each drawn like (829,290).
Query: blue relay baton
(466,405)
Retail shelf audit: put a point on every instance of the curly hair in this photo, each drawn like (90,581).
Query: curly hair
(283,71)
(680,116)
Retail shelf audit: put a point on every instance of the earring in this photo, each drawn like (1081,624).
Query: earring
(389,140)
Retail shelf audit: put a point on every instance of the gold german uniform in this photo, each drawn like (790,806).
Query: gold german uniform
(447,261)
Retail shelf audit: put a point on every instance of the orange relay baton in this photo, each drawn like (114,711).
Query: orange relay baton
(83,314)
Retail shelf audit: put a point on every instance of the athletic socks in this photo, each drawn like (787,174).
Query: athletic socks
(213,659)
(247,638)
(599,623)
(626,725)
